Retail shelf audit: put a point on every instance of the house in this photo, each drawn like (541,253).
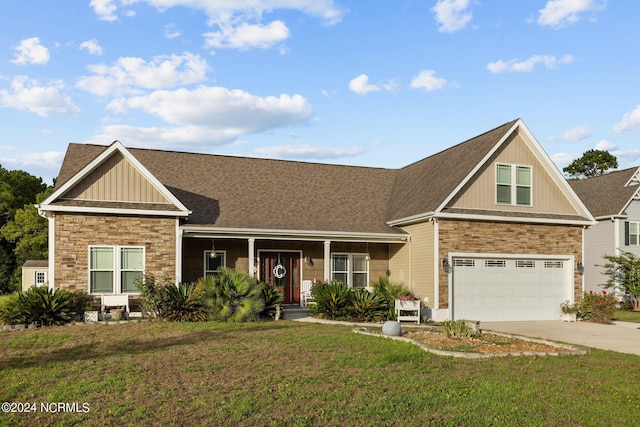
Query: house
(34,273)
(614,200)
(486,230)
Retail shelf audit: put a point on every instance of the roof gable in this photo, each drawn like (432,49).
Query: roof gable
(113,180)
(609,194)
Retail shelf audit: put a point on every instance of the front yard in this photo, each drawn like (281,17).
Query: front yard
(289,374)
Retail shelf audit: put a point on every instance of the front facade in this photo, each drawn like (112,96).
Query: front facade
(486,230)
(614,201)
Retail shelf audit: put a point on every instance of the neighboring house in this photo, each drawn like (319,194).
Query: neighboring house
(614,200)
(494,211)
(34,273)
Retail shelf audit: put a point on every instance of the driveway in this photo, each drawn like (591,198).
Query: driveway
(623,337)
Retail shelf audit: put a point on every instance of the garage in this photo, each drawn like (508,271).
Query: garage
(510,289)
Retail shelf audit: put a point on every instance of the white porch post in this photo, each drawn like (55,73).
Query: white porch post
(252,267)
(327,260)
(51,277)
(179,235)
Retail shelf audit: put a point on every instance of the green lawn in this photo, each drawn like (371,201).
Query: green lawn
(627,316)
(296,374)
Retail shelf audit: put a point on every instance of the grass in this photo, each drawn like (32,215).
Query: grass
(627,316)
(294,374)
(4,299)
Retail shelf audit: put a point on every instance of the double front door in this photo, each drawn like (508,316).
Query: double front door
(282,270)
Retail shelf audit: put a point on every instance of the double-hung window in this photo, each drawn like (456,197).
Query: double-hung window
(351,269)
(513,185)
(633,233)
(213,261)
(115,269)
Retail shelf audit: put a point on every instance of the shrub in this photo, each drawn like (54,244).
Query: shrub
(234,296)
(597,307)
(42,306)
(272,298)
(457,329)
(332,299)
(185,303)
(389,292)
(153,295)
(366,306)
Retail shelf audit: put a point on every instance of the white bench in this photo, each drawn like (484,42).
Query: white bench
(120,300)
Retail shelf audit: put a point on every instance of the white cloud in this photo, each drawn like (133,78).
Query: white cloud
(130,74)
(171,32)
(28,95)
(629,121)
(605,145)
(227,11)
(246,36)
(428,81)
(30,51)
(560,13)
(452,15)
(526,66)
(577,133)
(361,86)
(92,46)
(304,151)
(563,159)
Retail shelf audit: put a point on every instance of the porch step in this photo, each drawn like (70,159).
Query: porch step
(294,311)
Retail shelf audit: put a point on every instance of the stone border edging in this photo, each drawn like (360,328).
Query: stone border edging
(572,350)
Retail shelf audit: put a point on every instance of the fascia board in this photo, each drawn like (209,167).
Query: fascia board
(410,219)
(513,219)
(90,209)
(635,178)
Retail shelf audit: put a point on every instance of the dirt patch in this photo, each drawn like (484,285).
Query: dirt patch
(480,346)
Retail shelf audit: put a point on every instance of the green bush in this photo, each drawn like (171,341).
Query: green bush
(366,306)
(162,299)
(598,308)
(332,299)
(457,329)
(389,293)
(234,296)
(272,298)
(43,306)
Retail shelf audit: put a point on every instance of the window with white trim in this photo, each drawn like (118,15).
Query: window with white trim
(212,264)
(351,269)
(634,233)
(40,278)
(513,185)
(115,269)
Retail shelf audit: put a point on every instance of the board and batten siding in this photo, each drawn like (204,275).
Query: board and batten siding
(598,241)
(413,263)
(547,196)
(116,180)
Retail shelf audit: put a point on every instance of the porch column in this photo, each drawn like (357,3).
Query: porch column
(252,266)
(327,260)
(179,235)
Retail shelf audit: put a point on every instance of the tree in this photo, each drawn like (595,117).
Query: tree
(592,163)
(624,272)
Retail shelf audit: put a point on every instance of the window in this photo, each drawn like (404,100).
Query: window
(633,234)
(213,264)
(495,263)
(351,269)
(553,264)
(458,262)
(40,278)
(115,269)
(513,185)
(525,264)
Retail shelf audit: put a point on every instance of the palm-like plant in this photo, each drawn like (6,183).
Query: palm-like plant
(332,298)
(389,292)
(367,306)
(272,298)
(42,306)
(185,303)
(233,296)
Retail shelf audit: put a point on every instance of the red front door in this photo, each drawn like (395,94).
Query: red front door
(282,270)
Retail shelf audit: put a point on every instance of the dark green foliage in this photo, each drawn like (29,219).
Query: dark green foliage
(42,306)
(184,302)
(332,299)
(234,296)
(624,271)
(367,306)
(389,292)
(153,295)
(272,298)
(592,163)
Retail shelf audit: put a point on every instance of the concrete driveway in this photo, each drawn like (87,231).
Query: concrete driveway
(623,337)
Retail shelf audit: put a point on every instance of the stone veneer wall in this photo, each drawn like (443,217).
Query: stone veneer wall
(75,232)
(507,238)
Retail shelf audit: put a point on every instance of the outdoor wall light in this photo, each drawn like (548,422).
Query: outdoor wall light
(580,268)
(308,260)
(445,265)
(213,253)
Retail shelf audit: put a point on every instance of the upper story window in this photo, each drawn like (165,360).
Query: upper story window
(632,233)
(513,185)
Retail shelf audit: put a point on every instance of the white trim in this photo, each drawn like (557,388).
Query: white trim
(179,244)
(534,220)
(300,263)
(513,196)
(251,249)
(634,197)
(635,179)
(327,260)
(308,235)
(91,209)
(408,220)
(350,271)
(97,161)
(616,236)
(117,269)
(206,255)
(52,249)
(436,269)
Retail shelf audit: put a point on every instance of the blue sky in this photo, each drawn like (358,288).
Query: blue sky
(378,83)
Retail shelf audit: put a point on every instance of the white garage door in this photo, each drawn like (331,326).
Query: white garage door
(503,289)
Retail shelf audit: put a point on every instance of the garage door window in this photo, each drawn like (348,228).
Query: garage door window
(464,263)
(525,264)
(495,263)
(553,264)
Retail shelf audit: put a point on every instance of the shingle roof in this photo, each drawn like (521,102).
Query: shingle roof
(242,192)
(606,194)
